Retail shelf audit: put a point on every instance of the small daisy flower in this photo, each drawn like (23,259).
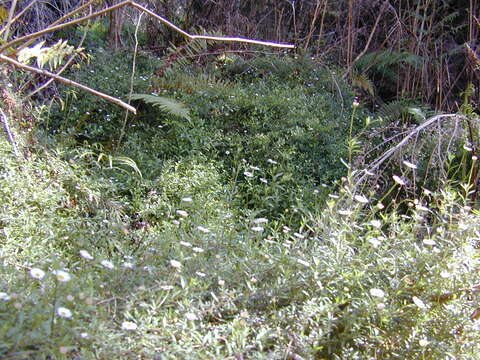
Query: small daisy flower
(376,223)
(198,250)
(445,274)
(128,265)
(108,264)
(191,317)
(298,235)
(257,229)
(380,306)
(380,206)
(420,304)
(4,296)
(247,174)
(64,313)
(187,199)
(409,164)
(429,242)
(273,162)
(37,273)
(86,255)
(286,229)
(129,325)
(423,342)
(254,168)
(265,181)
(185,243)
(377,293)
(361,199)
(203,229)
(182,213)
(175,264)
(260,221)
(375,242)
(62,276)
(345,212)
(221,282)
(399,180)
(355,103)
(200,274)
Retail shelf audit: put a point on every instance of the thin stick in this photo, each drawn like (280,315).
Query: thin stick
(132,77)
(68,82)
(9,133)
(9,21)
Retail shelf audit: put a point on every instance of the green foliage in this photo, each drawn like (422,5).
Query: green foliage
(168,105)
(51,55)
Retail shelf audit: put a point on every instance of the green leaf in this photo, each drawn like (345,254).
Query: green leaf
(168,105)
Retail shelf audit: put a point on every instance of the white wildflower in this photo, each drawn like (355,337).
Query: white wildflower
(175,264)
(260,221)
(361,199)
(4,296)
(108,264)
(62,276)
(86,255)
(257,229)
(200,274)
(298,235)
(380,306)
(417,301)
(409,164)
(129,325)
(376,223)
(182,213)
(429,242)
(198,250)
(247,174)
(345,212)
(128,265)
(423,342)
(272,161)
(64,312)
(187,199)
(185,243)
(203,229)
(265,181)
(398,180)
(377,293)
(445,274)
(191,317)
(37,273)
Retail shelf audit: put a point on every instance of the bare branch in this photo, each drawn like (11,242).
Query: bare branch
(68,82)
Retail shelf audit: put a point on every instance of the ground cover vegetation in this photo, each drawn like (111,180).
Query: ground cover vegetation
(259,204)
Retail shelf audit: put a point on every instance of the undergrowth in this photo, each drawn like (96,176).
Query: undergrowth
(232,236)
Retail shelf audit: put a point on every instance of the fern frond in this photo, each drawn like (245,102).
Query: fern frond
(168,105)
(362,81)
